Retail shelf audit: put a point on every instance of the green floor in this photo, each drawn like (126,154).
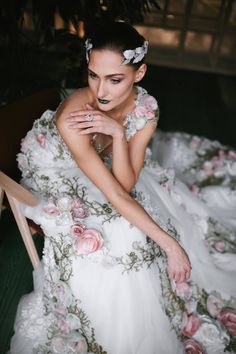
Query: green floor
(194,102)
(15,275)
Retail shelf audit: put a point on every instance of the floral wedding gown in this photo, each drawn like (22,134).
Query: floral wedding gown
(102,286)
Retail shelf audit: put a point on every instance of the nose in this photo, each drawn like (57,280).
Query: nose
(101,89)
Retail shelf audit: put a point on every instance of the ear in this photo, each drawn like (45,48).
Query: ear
(140,73)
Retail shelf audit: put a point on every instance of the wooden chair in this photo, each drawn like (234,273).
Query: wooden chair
(16,195)
(16,119)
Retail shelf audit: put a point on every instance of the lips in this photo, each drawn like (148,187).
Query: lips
(103,101)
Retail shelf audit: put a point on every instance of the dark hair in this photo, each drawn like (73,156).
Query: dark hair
(118,37)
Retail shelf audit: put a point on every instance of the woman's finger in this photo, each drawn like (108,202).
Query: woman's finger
(90,131)
(83,113)
(84,124)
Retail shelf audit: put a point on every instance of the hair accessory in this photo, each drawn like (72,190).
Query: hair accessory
(135,55)
(88,47)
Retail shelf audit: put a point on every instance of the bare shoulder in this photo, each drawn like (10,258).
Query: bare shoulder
(76,101)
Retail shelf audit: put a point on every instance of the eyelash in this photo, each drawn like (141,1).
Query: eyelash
(113,81)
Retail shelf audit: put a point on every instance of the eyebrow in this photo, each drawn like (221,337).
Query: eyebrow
(108,76)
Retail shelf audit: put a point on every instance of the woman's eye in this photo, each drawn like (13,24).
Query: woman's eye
(115,81)
(92,75)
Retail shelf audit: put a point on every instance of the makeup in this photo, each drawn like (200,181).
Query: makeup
(103,101)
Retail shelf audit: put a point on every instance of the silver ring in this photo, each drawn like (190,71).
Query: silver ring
(89,117)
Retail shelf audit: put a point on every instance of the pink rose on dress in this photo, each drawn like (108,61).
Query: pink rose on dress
(79,213)
(41,139)
(77,230)
(195,190)
(150,102)
(227,316)
(195,143)
(232,155)
(219,246)
(222,154)
(76,203)
(50,207)
(64,326)
(208,168)
(190,324)
(182,289)
(143,111)
(216,161)
(89,242)
(166,186)
(214,305)
(193,347)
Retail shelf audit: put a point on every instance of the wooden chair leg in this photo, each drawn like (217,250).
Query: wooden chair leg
(25,231)
(1,199)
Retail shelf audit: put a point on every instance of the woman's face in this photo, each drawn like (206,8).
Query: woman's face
(110,81)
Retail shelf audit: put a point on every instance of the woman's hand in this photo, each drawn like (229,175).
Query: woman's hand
(94,121)
(179,267)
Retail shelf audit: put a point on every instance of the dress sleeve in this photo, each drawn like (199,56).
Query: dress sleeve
(145,112)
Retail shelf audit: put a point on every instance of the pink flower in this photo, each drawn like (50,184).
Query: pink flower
(150,102)
(79,213)
(77,230)
(193,347)
(64,326)
(195,190)
(166,186)
(90,241)
(222,154)
(182,289)
(208,168)
(143,111)
(50,207)
(60,311)
(228,317)
(190,324)
(216,160)
(232,155)
(214,305)
(195,143)
(41,139)
(76,203)
(219,246)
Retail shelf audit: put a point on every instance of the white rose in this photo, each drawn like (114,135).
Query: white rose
(232,169)
(140,123)
(212,336)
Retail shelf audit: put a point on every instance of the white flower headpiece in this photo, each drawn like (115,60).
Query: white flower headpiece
(130,55)
(135,55)
(88,47)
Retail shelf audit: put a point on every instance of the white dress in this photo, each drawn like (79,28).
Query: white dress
(102,286)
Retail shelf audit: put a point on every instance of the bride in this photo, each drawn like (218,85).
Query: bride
(121,232)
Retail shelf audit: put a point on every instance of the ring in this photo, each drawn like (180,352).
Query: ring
(89,117)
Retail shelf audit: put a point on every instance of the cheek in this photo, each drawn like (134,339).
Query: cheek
(123,90)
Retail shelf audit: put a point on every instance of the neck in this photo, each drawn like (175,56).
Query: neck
(118,113)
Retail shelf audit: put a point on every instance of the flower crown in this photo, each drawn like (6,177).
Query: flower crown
(130,55)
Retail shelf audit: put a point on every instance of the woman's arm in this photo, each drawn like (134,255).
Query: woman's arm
(90,163)
(128,158)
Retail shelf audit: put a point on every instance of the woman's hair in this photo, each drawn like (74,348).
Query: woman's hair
(118,37)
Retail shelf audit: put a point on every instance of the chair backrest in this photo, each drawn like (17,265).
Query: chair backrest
(17,195)
(16,119)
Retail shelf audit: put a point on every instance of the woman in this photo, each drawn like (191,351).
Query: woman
(104,286)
